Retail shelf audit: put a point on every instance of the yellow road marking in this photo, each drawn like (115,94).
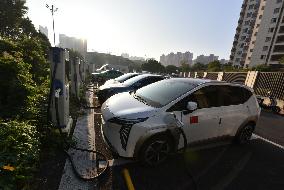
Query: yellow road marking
(127,178)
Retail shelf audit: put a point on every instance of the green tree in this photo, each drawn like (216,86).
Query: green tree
(214,66)
(16,85)
(228,68)
(153,66)
(262,67)
(24,82)
(184,66)
(171,69)
(11,17)
(199,67)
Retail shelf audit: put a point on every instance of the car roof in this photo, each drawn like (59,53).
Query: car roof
(192,80)
(203,81)
(150,75)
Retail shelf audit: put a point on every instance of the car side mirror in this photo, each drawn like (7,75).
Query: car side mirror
(191,106)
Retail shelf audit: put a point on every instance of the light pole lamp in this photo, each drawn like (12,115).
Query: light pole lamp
(52,9)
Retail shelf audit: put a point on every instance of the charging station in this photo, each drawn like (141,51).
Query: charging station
(75,76)
(59,99)
(82,67)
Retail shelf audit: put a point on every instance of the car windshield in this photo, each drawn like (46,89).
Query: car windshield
(125,77)
(133,80)
(163,92)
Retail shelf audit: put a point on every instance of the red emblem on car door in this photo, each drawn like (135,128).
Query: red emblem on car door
(193,119)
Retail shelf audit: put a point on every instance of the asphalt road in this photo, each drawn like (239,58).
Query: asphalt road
(257,165)
(271,126)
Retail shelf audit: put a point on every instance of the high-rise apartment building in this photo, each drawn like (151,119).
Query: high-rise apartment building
(259,37)
(176,59)
(133,58)
(76,44)
(43,30)
(205,59)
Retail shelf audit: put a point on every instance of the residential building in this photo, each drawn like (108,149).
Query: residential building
(176,59)
(133,58)
(224,61)
(259,37)
(43,30)
(205,59)
(76,44)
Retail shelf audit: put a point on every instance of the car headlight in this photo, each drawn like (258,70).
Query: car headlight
(126,125)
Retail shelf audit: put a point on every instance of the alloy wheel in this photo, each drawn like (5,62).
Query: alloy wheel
(157,152)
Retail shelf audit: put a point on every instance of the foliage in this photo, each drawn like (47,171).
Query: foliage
(228,68)
(100,59)
(23,86)
(281,60)
(10,21)
(19,150)
(198,67)
(171,69)
(214,66)
(263,68)
(153,66)
(24,82)
(16,85)
(184,67)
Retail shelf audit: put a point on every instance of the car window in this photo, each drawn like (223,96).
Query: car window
(151,80)
(125,77)
(246,94)
(133,80)
(146,81)
(161,93)
(205,97)
(231,95)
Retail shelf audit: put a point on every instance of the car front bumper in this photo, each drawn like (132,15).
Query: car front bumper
(111,136)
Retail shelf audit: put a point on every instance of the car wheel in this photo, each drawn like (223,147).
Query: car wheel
(155,150)
(276,109)
(245,134)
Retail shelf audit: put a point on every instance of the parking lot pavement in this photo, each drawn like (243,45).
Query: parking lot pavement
(271,126)
(257,165)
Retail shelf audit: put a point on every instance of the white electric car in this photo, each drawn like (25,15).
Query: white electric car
(136,124)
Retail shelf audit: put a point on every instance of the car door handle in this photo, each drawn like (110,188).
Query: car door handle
(220,120)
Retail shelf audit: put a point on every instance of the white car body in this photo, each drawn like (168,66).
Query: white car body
(127,122)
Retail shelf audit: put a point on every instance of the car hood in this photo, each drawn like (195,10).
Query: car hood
(95,73)
(124,105)
(111,81)
(111,85)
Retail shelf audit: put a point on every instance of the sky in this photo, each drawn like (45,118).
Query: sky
(145,28)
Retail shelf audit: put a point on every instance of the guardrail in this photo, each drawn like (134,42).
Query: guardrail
(261,82)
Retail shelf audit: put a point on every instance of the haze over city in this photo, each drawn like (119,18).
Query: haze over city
(144,28)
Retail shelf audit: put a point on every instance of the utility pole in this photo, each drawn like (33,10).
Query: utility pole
(52,10)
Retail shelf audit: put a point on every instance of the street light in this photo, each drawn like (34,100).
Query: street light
(52,10)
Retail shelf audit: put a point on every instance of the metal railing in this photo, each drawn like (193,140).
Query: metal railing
(261,82)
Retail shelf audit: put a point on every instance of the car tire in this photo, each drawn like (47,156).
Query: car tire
(155,150)
(276,109)
(244,135)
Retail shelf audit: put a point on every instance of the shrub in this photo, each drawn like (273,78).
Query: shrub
(19,154)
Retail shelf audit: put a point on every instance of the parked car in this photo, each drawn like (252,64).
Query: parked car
(106,75)
(134,124)
(121,78)
(132,84)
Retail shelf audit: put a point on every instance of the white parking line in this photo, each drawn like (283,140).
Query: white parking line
(254,136)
